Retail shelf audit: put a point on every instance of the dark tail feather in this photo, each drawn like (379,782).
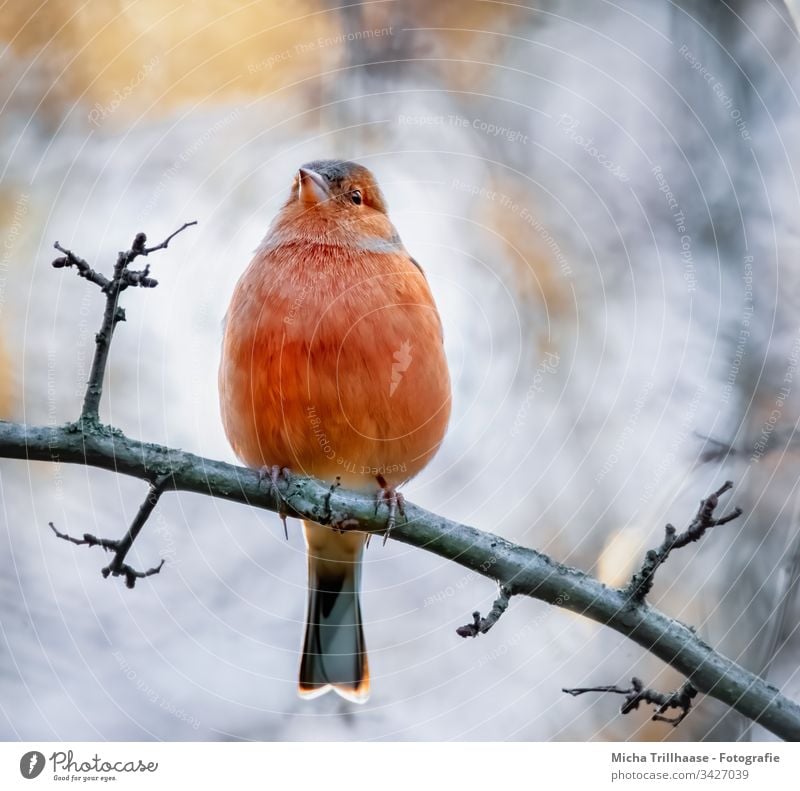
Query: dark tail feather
(334,653)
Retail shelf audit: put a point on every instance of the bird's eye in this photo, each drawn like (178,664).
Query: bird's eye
(355,196)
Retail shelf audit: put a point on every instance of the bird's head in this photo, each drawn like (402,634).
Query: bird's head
(336,203)
(338,187)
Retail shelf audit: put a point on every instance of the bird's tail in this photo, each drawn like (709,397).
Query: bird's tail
(334,652)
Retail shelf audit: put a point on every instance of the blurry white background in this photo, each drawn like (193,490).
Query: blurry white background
(604,197)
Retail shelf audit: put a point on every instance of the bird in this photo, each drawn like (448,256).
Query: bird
(333,366)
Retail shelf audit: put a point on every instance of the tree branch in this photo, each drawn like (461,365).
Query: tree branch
(516,569)
(522,571)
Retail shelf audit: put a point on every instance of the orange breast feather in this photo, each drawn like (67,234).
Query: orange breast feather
(333,364)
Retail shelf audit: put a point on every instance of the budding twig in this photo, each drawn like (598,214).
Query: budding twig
(84,270)
(117,567)
(122,278)
(637,693)
(642,581)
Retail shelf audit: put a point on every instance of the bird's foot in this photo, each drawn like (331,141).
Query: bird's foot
(395,502)
(328,514)
(272,476)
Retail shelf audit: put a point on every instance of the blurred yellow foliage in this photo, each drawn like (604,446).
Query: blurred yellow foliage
(14,209)
(146,57)
(143,58)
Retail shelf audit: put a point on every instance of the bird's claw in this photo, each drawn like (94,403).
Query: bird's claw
(272,476)
(394,501)
(334,486)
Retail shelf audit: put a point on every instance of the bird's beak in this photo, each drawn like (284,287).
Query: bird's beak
(313,187)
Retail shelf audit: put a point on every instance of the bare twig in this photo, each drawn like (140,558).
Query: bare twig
(121,547)
(88,539)
(140,249)
(637,693)
(642,581)
(482,625)
(118,567)
(122,278)
(84,270)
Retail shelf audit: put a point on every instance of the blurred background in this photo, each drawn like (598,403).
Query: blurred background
(604,197)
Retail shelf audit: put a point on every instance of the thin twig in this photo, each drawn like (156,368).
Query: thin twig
(88,539)
(131,574)
(122,278)
(120,547)
(118,567)
(642,581)
(83,269)
(142,250)
(637,693)
(482,625)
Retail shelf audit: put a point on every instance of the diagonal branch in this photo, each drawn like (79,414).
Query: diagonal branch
(522,571)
